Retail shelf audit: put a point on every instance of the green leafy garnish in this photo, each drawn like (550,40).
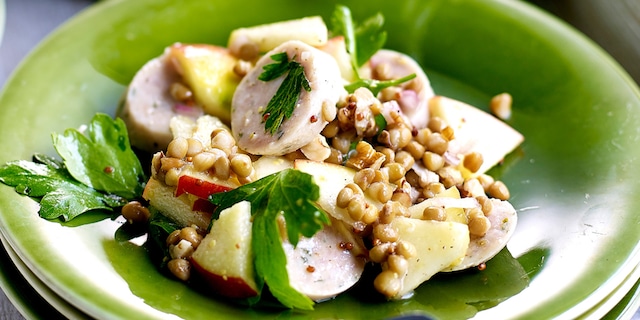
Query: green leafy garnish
(103,158)
(362,40)
(59,194)
(282,104)
(290,193)
(375,86)
(99,172)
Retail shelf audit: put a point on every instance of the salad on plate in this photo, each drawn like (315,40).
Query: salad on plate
(289,163)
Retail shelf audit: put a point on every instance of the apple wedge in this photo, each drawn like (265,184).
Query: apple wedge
(337,48)
(224,258)
(475,131)
(449,200)
(208,70)
(248,43)
(331,178)
(439,245)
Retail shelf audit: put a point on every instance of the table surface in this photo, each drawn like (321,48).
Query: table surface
(27,22)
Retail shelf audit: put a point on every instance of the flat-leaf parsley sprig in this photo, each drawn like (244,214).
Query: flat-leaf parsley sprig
(99,171)
(283,103)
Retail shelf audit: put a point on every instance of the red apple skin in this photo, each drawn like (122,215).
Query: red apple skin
(198,187)
(231,287)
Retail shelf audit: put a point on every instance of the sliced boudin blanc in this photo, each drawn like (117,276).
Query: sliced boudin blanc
(503,220)
(315,108)
(149,106)
(415,94)
(327,264)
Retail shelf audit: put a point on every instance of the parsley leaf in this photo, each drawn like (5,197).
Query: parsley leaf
(99,172)
(282,104)
(60,195)
(102,159)
(362,40)
(290,193)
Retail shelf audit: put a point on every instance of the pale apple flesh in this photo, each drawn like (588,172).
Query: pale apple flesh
(475,131)
(224,258)
(439,245)
(208,71)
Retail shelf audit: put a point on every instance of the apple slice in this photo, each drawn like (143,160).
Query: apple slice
(331,178)
(439,245)
(337,48)
(179,209)
(208,70)
(248,43)
(452,203)
(475,131)
(224,258)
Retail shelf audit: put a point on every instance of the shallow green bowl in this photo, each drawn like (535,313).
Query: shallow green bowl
(573,181)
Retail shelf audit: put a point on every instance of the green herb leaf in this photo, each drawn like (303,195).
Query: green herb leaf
(102,159)
(362,40)
(289,193)
(375,86)
(60,195)
(282,104)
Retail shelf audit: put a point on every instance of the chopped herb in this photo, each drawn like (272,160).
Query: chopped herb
(289,193)
(381,122)
(282,104)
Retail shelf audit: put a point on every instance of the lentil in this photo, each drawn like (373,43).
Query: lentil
(388,283)
(203,161)
(190,234)
(500,105)
(437,143)
(178,148)
(406,249)
(398,264)
(380,252)
(499,190)
(473,161)
(485,204)
(194,147)
(135,212)
(432,161)
(180,91)
(241,165)
(385,233)
(405,159)
(434,213)
(180,268)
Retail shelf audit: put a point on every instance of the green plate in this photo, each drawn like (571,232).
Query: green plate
(28,293)
(573,180)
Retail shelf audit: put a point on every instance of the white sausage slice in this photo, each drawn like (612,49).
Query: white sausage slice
(148,105)
(320,267)
(308,119)
(413,99)
(503,220)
